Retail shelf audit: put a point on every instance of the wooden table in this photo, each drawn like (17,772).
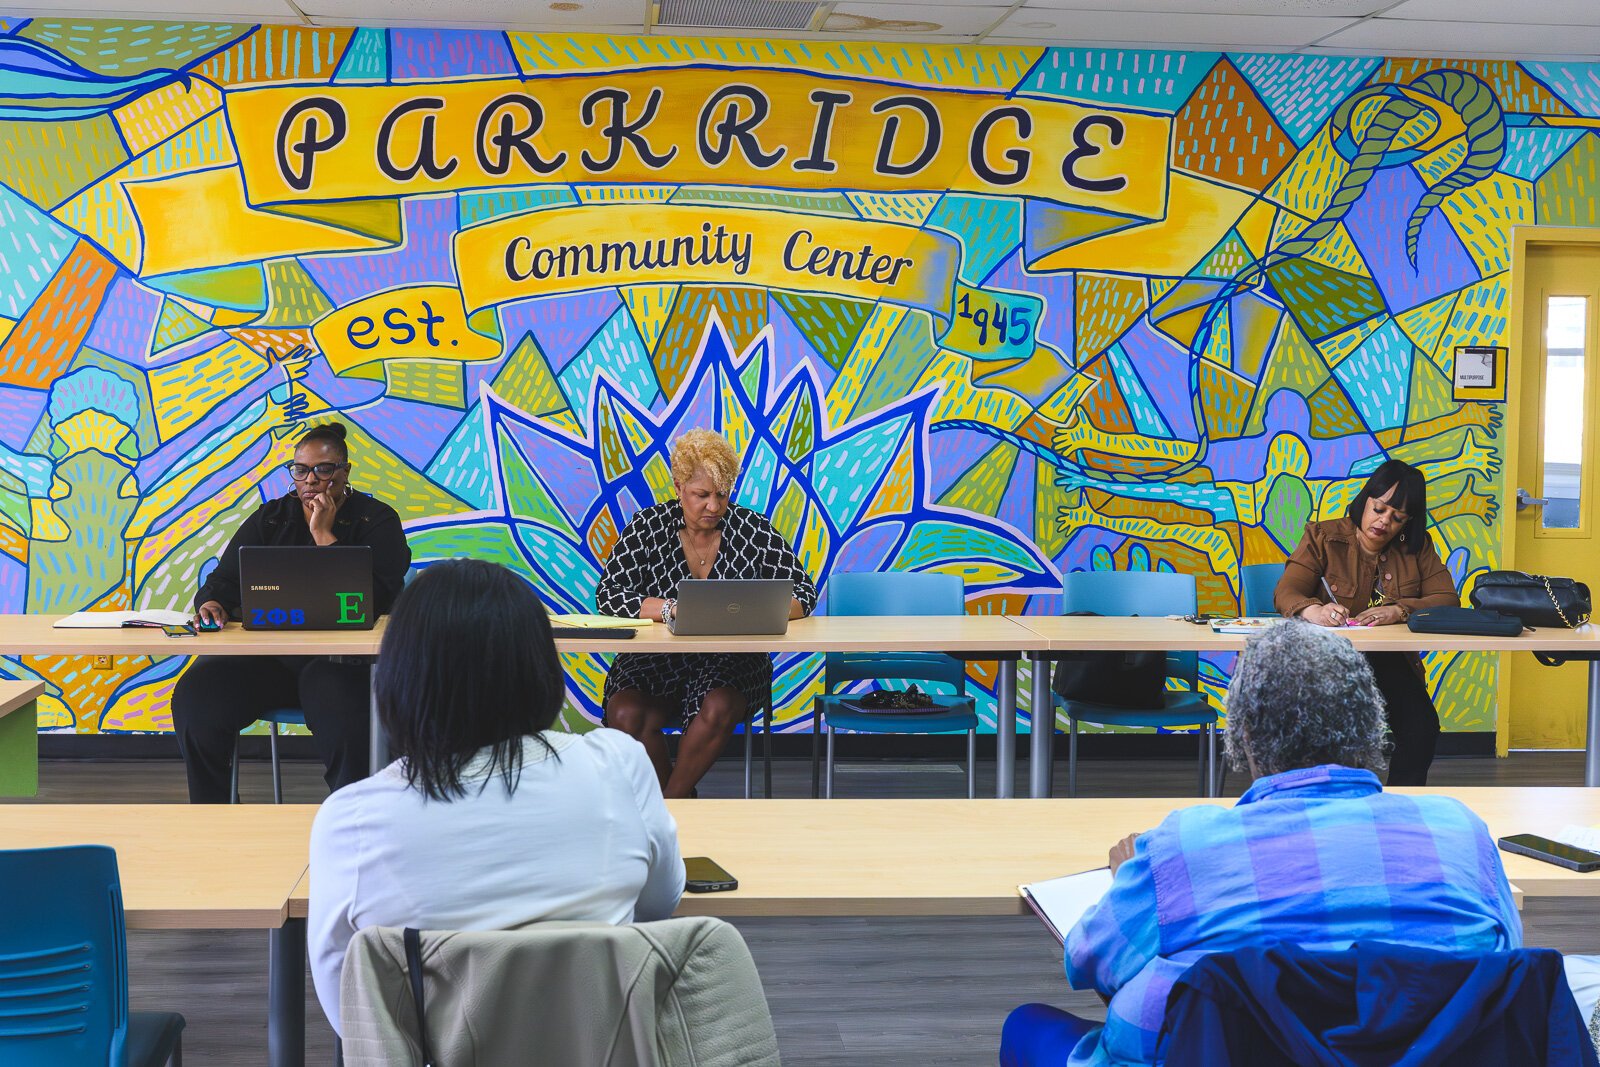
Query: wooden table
(19,738)
(969,636)
(1078,633)
(200,868)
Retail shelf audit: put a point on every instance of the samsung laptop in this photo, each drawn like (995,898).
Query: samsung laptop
(732,607)
(306,587)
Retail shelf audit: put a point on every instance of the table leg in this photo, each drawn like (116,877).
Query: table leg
(378,743)
(1005,731)
(1591,743)
(286,995)
(1041,708)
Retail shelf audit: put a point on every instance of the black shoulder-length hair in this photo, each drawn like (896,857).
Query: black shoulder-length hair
(467,662)
(1410,496)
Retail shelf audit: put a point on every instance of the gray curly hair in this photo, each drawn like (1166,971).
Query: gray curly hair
(1303,696)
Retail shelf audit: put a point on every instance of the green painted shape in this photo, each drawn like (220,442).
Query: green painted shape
(982,489)
(905,357)
(473,208)
(1287,510)
(1431,394)
(1324,300)
(1226,260)
(293,298)
(824,203)
(802,433)
(366,57)
(126,47)
(1331,413)
(525,381)
(830,324)
(1565,195)
(526,495)
(1293,365)
(491,540)
(177,325)
(19,751)
(242,287)
(36,167)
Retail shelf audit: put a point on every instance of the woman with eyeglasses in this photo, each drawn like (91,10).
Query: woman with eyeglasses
(220,695)
(1374,566)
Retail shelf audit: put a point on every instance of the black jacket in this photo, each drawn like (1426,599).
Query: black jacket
(361,520)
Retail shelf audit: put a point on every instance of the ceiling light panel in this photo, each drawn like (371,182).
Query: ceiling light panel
(895,21)
(1546,12)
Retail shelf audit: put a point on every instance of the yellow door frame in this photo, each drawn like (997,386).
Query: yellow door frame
(1523,240)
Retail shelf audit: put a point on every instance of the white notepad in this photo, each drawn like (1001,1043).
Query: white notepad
(1061,902)
(111,620)
(1254,625)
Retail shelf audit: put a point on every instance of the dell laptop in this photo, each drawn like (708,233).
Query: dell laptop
(306,587)
(732,607)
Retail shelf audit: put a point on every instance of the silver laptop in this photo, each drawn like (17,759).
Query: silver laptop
(732,607)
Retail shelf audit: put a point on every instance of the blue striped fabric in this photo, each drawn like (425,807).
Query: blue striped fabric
(1320,856)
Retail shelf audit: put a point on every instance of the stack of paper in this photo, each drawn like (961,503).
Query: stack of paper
(595,622)
(1243,626)
(1585,837)
(111,620)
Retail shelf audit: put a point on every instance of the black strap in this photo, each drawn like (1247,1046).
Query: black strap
(414,965)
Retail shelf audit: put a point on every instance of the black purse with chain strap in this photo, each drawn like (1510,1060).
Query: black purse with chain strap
(1536,599)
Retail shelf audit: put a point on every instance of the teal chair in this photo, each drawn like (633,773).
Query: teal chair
(1141,593)
(273,719)
(64,966)
(895,593)
(1257,584)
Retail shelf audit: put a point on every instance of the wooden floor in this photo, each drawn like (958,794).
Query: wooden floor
(844,992)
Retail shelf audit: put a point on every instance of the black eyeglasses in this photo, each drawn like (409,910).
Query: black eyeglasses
(300,472)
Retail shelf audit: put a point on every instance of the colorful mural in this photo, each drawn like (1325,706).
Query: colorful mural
(1003,312)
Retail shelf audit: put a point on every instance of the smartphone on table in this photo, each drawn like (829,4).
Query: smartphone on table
(704,876)
(1559,853)
(178,631)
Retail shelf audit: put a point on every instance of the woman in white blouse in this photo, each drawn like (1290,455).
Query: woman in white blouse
(488,819)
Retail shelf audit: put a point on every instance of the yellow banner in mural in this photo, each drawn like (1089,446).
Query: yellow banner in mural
(418,322)
(570,249)
(767,128)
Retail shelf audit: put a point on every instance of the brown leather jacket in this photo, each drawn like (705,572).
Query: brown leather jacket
(1329,549)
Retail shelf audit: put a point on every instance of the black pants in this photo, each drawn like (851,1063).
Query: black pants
(220,695)
(1413,720)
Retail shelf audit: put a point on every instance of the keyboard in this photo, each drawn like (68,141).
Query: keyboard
(593,633)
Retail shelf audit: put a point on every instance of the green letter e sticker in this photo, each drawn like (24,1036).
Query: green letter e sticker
(351,611)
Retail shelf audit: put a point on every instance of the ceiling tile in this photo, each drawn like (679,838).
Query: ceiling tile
(569,14)
(1470,39)
(1547,12)
(242,11)
(1233,31)
(1209,8)
(896,21)
(817,35)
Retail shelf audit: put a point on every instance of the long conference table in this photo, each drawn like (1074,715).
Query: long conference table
(973,637)
(245,867)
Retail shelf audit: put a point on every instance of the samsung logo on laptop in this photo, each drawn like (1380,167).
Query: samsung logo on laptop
(264,588)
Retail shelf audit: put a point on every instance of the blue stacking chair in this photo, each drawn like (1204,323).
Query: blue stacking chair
(895,593)
(1157,594)
(64,966)
(1257,584)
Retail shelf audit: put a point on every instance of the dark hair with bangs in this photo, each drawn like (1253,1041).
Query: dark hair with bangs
(1411,497)
(467,662)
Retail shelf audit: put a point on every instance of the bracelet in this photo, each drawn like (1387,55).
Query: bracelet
(668,607)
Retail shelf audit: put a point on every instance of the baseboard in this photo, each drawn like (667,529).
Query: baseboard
(786,746)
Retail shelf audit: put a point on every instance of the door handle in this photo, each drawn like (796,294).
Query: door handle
(1524,501)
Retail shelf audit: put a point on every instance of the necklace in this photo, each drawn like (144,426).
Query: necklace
(683,535)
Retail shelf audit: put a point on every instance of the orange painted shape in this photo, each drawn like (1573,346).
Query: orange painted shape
(1225,132)
(45,340)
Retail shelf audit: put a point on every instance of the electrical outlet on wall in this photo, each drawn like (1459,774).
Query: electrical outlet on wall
(102,663)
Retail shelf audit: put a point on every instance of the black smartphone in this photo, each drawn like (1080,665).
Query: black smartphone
(178,631)
(705,876)
(1571,857)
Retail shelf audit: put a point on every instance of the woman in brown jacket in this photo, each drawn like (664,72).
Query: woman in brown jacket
(1374,567)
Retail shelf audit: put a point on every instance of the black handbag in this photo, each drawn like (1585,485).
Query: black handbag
(1536,599)
(1116,679)
(1473,622)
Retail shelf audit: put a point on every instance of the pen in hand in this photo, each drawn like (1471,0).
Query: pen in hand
(1333,601)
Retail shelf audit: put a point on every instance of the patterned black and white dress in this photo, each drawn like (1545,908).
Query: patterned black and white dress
(648,561)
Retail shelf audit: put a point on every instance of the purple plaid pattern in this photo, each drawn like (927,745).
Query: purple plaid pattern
(1320,856)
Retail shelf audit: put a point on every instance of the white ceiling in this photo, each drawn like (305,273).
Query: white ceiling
(1542,29)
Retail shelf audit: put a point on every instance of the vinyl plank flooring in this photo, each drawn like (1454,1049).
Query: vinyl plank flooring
(853,992)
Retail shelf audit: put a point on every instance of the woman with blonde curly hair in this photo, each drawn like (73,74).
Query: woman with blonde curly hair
(701,534)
